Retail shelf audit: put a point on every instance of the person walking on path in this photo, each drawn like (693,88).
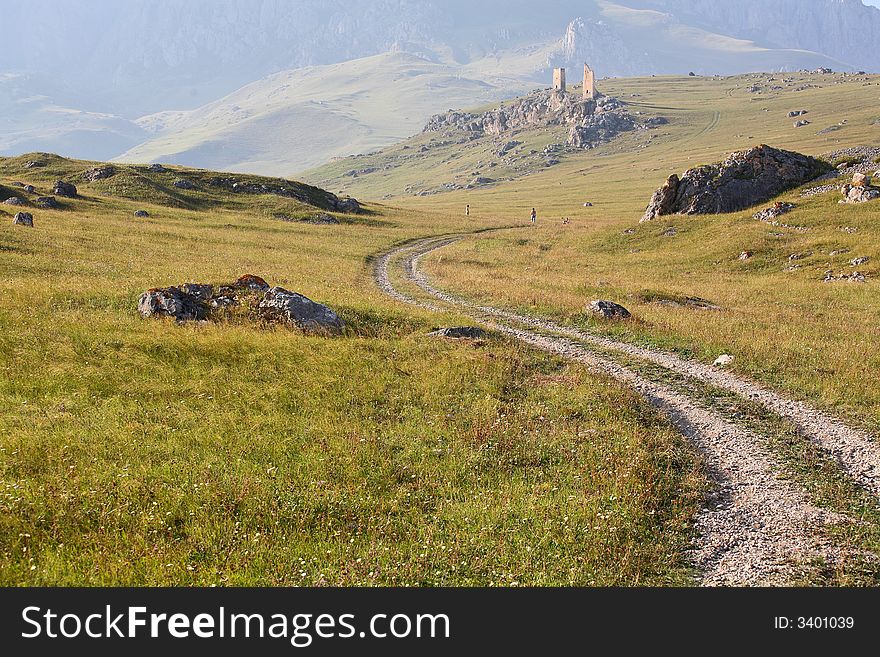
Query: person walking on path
(467,210)
(534,216)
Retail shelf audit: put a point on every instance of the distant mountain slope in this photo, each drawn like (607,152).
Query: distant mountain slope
(299,119)
(99,65)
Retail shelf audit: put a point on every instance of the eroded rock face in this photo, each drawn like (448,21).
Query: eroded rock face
(744,179)
(172,302)
(48,203)
(609,310)
(65,189)
(289,307)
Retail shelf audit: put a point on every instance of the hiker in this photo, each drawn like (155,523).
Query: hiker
(534,216)
(467,210)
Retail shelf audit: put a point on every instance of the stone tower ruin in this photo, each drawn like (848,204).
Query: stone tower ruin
(559,79)
(589,92)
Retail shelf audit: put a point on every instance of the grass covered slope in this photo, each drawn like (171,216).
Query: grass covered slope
(141,452)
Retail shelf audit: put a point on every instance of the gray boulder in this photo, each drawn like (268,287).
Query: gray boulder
(14,200)
(172,302)
(47,203)
(64,189)
(744,179)
(282,305)
(23,219)
(141,213)
(609,310)
(156,168)
(182,183)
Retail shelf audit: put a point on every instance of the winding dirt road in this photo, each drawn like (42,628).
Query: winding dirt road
(756,528)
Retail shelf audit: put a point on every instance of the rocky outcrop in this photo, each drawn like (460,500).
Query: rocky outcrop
(23,219)
(744,179)
(183,183)
(99,173)
(65,189)
(14,200)
(288,307)
(203,301)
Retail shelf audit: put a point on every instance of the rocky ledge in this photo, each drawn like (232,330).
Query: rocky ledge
(249,296)
(744,179)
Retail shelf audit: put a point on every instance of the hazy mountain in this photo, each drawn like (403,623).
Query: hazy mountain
(103,69)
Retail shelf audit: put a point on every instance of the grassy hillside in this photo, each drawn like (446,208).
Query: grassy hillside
(141,452)
(786,327)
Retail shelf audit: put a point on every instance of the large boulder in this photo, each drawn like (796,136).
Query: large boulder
(348,205)
(289,307)
(65,189)
(744,179)
(172,302)
(23,219)
(14,200)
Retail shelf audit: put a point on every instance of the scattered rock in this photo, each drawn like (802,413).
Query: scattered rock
(672,231)
(156,168)
(746,255)
(860,194)
(14,200)
(776,210)
(855,262)
(33,164)
(609,310)
(799,256)
(802,123)
(141,213)
(282,305)
(183,183)
(23,219)
(172,302)
(47,203)
(723,360)
(98,173)
(65,189)
(744,179)
(854,277)
(460,333)
(30,189)
(795,113)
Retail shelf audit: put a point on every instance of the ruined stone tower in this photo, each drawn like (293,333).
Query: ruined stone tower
(559,79)
(589,92)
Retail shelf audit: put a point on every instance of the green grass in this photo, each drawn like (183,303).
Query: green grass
(139,452)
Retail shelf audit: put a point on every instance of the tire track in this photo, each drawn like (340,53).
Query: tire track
(755,528)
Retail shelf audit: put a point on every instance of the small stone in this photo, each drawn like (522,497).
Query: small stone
(609,310)
(745,255)
(723,360)
(141,213)
(855,262)
(23,219)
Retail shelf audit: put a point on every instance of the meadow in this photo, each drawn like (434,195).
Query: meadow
(141,452)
